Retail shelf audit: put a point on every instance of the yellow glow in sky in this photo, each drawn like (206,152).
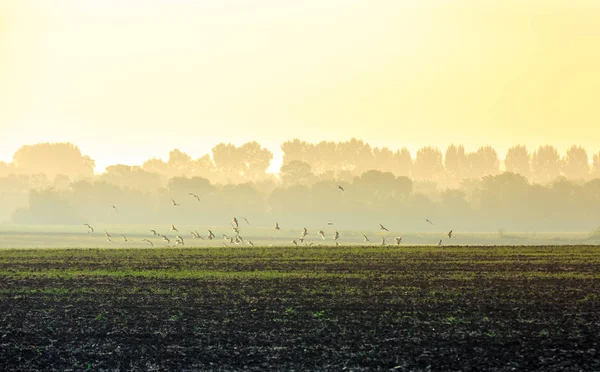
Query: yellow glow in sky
(127,81)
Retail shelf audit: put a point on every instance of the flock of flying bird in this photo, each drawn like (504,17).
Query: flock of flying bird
(237,239)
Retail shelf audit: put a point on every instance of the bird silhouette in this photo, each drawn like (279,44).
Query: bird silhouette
(146,240)
(383,227)
(91,229)
(450,235)
(341,188)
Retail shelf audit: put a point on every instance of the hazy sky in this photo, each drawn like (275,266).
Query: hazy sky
(128,80)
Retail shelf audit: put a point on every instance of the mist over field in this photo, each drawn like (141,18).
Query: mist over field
(529,196)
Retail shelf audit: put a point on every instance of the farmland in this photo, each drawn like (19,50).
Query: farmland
(287,308)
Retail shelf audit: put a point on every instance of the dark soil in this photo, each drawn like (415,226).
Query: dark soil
(417,323)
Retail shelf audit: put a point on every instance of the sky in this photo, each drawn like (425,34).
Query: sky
(127,81)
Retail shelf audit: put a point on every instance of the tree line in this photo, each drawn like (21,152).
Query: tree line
(305,162)
(235,183)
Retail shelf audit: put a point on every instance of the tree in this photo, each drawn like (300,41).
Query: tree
(52,159)
(183,186)
(483,162)
(404,162)
(376,183)
(296,172)
(596,166)
(202,167)
(504,195)
(545,164)
(355,156)
(158,166)
(3,169)
(326,157)
(179,161)
(383,158)
(428,164)
(294,150)
(255,160)
(133,177)
(227,161)
(456,162)
(574,164)
(517,160)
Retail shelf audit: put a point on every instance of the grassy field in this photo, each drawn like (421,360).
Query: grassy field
(310,308)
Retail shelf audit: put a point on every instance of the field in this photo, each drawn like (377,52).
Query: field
(311,308)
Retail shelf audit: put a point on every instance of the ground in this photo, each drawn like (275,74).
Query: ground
(310,308)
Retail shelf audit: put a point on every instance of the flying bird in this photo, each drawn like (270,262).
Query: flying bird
(398,240)
(194,195)
(336,236)
(164,238)
(383,227)
(179,240)
(154,233)
(450,234)
(305,232)
(107,234)
(245,219)
(108,239)
(124,238)
(322,233)
(235,222)
(91,229)
(174,203)
(383,240)
(341,188)
(250,243)
(115,208)
(210,235)
(276,226)
(173,228)
(428,221)
(295,242)
(330,223)
(440,242)
(146,240)
(366,238)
